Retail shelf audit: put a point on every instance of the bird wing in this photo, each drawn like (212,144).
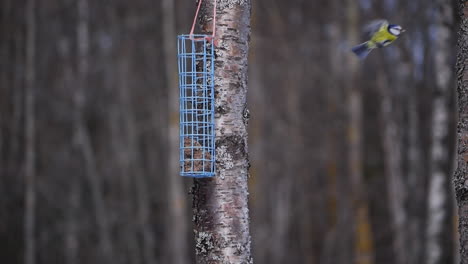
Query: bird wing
(372,27)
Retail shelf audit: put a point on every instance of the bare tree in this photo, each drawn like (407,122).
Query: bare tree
(461,173)
(221,214)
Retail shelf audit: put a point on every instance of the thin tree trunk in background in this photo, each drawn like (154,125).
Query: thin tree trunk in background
(289,125)
(119,144)
(71,240)
(410,97)
(461,173)
(120,147)
(82,137)
(415,181)
(281,215)
(392,166)
(339,236)
(4,74)
(72,229)
(176,233)
(280,222)
(361,235)
(132,164)
(18,107)
(354,102)
(347,183)
(439,230)
(414,159)
(221,214)
(30,136)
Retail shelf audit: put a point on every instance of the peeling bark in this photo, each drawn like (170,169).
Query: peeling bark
(461,173)
(221,214)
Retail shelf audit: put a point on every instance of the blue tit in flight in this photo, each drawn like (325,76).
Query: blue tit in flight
(380,34)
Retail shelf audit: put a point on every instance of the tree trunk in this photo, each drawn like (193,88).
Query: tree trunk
(82,136)
(71,230)
(132,170)
(221,214)
(30,136)
(177,217)
(461,173)
(392,165)
(439,228)
(360,239)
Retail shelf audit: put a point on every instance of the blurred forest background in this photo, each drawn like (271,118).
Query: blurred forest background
(351,161)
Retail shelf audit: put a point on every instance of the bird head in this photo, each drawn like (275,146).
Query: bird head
(395,30)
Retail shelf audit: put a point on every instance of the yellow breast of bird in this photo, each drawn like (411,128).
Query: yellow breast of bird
(383,36)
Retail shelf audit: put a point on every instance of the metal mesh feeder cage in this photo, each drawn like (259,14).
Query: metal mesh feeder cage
(196,84)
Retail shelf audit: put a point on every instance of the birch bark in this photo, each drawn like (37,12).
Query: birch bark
(221,214)
(439,227)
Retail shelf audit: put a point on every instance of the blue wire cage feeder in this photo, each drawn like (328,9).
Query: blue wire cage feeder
(196,84)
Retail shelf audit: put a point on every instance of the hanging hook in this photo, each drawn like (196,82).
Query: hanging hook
(195,21)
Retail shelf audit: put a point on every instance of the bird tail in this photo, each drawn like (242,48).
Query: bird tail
(362,50)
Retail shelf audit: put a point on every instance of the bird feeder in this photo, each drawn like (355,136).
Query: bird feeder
(195,54)
(196,84)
